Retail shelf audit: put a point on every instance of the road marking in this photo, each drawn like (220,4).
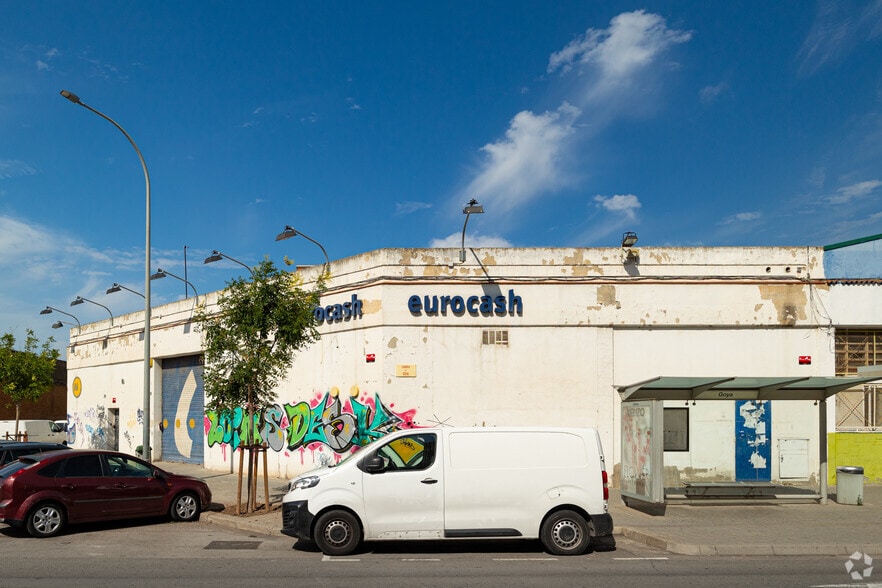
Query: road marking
(422,559)
(329,558)
(638,558)
(524,559)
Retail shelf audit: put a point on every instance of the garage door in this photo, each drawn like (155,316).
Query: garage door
(183,401)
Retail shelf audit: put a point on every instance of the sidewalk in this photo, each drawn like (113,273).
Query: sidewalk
(755,528)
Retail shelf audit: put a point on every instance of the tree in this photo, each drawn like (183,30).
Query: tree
(26,374)
(250,342)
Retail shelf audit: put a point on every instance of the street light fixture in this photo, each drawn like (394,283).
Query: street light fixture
(472,207)
(291,232)
(49,310)
(146,439)
(161,273)
(217,256)
(80,300)
(117,287)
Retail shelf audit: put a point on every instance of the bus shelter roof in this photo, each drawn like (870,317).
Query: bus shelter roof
(739,388)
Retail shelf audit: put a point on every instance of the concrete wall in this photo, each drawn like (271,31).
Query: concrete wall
(586,322)
(856,449)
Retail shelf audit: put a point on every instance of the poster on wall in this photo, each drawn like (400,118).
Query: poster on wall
(643,450)
(753,447)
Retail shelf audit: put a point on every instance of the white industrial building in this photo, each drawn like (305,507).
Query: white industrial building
(540,336)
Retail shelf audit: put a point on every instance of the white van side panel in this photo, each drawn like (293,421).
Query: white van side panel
(37,430)
(497,479)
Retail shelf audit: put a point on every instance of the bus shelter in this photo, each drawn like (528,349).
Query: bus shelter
(642,419)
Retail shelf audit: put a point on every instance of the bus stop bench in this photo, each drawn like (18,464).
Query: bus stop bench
(729,489)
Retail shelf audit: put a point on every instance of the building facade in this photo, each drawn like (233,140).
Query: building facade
(414,337)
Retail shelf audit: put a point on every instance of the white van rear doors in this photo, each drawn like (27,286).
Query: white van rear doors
(406,498)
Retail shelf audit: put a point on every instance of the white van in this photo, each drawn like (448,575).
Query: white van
(453,483)
(36,430)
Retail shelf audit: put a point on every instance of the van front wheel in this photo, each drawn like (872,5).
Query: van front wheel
(565,533)
(337,532)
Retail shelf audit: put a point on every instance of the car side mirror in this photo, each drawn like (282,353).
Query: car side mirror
(374,464)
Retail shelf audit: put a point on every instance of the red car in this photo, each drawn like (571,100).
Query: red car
(47,491)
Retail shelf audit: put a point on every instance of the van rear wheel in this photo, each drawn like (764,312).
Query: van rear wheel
(337,532)
(565,533)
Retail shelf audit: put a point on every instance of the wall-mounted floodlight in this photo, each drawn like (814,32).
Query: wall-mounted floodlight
(117,287)
(629,239)
(161,273)
(472,207)
(80,300)
(50,310)
(217,256)
(291,232)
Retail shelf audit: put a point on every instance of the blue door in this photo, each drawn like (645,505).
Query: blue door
(183,413)
(753,446)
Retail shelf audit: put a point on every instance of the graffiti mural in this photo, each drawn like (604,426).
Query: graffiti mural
(327,420)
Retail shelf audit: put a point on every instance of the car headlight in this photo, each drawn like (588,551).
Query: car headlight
(307,482)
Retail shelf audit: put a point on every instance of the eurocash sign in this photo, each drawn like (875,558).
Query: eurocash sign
(460,305)
(335,313)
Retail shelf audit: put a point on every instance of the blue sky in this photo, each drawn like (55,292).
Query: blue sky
(369,124)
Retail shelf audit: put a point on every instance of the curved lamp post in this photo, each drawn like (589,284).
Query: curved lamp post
(49,310)
(146,443)
(291,232)
(80,300)
(217,256)
(471,208)
(161,273)
(117,287)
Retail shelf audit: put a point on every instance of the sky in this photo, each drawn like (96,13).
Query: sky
(369,125)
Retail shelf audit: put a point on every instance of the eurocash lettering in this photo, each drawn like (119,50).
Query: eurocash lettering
(335,313)
(473,305)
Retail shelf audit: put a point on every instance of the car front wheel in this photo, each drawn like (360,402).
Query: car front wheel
(337,533)
(185,507)
(45,520)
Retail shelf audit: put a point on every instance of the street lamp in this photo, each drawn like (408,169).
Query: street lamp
(80,300)
(217,256)
(146,443)
(161,273)
(472,207)
(291,232)
(49,309)
(117,287)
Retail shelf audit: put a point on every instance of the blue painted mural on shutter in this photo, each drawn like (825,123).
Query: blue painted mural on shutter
(753,445)
(183,410)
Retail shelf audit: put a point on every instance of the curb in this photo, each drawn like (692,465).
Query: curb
(243,523)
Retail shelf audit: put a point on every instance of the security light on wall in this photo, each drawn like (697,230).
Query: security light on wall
(631,256)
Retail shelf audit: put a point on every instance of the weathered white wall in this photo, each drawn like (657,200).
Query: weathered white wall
(589,322)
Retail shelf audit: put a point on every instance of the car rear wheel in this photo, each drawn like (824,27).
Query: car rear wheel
(337,533)
(565,533)
(185,507)
(45,520)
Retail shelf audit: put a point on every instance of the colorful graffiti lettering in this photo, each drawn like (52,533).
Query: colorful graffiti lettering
(339,425)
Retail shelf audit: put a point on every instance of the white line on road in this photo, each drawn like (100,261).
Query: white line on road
(638,558)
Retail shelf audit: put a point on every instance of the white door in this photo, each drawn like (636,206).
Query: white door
(406,500)
(793,458)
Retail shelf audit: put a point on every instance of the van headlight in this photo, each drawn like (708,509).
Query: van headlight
(307,482)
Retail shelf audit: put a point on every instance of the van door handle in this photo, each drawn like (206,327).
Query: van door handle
(429,481)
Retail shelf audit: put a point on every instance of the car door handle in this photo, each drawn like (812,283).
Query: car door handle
(428,481)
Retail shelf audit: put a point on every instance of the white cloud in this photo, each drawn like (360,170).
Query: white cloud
(838,28)
(13,168)
(402,208)
(709,94)
(42,65)
(741,217)
(471,240)
(626,204)
(527,161)
(632,41)
(854,191)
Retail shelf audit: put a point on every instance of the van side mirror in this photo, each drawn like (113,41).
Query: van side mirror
(374,464)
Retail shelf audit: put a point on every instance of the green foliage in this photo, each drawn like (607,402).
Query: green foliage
(28,373)
(251,338)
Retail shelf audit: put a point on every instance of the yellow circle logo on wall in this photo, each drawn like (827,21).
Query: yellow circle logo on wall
(77,387)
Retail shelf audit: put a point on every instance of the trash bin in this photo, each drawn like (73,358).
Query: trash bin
(850,485)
